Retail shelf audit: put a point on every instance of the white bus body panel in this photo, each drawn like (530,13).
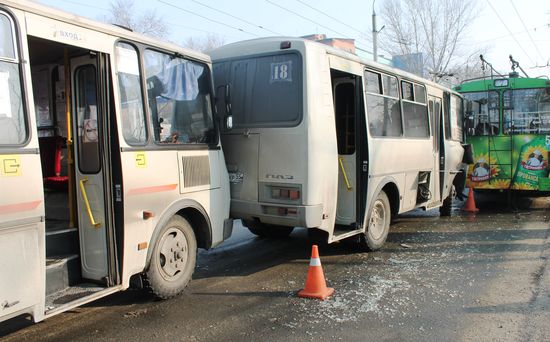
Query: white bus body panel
(159,190)
(22,242)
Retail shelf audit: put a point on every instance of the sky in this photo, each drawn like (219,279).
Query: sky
(503,27)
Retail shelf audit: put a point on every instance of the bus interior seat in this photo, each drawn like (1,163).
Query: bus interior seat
(50,158)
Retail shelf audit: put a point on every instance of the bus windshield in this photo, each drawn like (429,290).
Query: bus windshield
(526,111)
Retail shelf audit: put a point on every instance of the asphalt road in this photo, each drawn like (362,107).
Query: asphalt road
(464,278)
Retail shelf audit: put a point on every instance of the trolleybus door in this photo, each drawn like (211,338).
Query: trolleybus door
(88,134)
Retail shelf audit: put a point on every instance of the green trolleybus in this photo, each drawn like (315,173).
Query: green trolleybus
(507,121)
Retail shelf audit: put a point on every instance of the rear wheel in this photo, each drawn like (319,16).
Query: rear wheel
(378,223)
(267,230)
(173,259)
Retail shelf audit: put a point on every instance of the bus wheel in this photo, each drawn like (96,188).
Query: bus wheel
(173,259)
(445,209)
(267,230)
(378,224)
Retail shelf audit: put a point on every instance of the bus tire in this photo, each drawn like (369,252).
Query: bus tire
(378,224)
(173,258)
(267,230)
(446,207)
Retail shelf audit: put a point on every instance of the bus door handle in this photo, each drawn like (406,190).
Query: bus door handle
(348,185)
(87,203)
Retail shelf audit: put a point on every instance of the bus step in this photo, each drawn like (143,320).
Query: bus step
(61,272)
(61,241)
(342,234)
(57,300)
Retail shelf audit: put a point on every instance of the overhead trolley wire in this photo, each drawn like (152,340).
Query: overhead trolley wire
(238,18)
(509,31)
(330,16)
(204,17)
(87,5)
(199,30)
(312,21)
(518,32)
(528,33)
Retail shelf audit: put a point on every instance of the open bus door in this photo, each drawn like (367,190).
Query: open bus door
(352,153)
(88,114)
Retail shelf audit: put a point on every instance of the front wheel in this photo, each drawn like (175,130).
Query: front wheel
(267,230)
(173,259)
(378,223)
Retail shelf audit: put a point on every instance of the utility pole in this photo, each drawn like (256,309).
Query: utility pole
(374,34)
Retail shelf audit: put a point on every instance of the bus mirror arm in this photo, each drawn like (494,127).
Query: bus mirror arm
(227,101)
(228,109)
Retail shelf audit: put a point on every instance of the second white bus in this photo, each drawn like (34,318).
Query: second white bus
(324,140)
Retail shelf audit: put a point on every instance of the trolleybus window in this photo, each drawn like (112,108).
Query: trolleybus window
(527,111)
(415,112)
(133,118)
(383,109)
(13,130)
(267,90)
(179,99)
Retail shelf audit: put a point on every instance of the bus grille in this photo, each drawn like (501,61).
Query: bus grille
(196,171)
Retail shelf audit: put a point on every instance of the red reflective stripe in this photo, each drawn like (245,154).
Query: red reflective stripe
(152,189)
(17,207)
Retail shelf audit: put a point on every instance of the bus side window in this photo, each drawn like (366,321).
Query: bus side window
(13,125)
(179,95)
(129,83)
(415,111)
(383,110)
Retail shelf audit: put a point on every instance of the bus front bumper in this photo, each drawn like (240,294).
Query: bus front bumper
(308,216)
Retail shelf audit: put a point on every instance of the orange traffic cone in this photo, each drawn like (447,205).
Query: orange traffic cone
(316,287)
(470,203)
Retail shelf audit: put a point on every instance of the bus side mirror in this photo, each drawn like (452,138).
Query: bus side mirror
(468,156)
(229,122)
(228,114)
(228,109)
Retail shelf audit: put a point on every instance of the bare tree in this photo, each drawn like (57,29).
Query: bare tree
(428,33)
(210,42)
(124,13)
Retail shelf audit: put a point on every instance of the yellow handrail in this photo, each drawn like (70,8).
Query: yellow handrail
(344,173)
(87,203)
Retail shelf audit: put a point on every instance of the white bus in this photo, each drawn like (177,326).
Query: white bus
(110,162)
(324,140)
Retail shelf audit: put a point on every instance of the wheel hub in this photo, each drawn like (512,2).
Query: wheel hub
(377,220)
(173,253)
